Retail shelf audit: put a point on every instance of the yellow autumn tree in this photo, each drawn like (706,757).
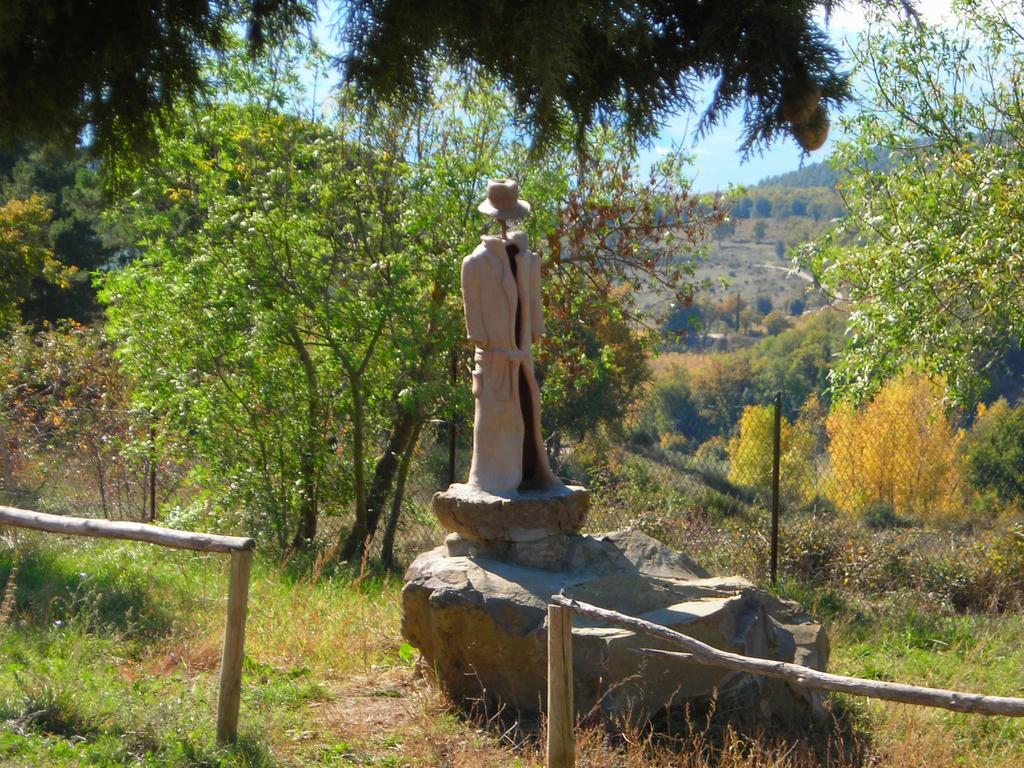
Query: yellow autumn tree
(900,449)
(750,453)
(25,253)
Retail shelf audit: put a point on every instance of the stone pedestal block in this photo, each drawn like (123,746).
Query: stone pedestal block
(526,516)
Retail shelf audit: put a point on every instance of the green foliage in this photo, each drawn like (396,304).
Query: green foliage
(628,64)
(930,251)
(71,187)
(796,360)
(25,253)
(115,69)
(297,297)
(710,399)
(675,408)
(776,322)
(995,453)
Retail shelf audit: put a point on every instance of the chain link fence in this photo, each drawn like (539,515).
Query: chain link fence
(900,462)
(897,463)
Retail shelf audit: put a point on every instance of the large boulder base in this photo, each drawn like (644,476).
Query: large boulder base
(480,622)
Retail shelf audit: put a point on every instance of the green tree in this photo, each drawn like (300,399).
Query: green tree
(115,68)
(995,452)
(776,322)
(297,300)
(796,360)
(672,408)
(25,253)
(930,251)
(71,187)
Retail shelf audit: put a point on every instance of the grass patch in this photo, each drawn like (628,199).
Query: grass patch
(130,677)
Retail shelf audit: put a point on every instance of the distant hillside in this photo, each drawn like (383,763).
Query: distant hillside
(819,174)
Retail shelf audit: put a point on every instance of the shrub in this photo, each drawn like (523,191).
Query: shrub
(776,322)
(879,515)
(995,457)
(811,549)
(763,303)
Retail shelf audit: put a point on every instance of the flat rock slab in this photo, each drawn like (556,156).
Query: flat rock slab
(526,516)
(480,621)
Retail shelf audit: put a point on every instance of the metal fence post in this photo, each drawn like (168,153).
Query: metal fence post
(773,567)
(152,473)
(452,429)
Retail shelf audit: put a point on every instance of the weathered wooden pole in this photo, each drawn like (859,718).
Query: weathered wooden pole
(234,648)
(701,653)
(561,740)
(773,567)
(241,549)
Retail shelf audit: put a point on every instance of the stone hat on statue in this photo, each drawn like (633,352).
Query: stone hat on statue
(503,200)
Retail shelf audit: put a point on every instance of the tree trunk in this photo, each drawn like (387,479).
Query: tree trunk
(356,542)
(406,426)
(306,533)
(407,422)
(309,508)
(387,553)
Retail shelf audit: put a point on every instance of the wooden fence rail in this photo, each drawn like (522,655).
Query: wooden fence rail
(702,653)
(240,548)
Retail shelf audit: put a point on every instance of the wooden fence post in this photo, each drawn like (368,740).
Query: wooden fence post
(561,739)
(234,648)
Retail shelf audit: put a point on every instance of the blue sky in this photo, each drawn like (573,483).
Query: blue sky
(717,159)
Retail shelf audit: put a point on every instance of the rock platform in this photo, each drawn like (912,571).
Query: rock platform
(476,609)
(524,516)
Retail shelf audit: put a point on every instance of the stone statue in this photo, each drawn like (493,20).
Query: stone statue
(504,317)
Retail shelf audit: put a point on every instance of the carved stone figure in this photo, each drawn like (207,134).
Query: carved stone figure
(501,294)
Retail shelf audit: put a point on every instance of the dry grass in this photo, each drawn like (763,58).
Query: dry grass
(327,685)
